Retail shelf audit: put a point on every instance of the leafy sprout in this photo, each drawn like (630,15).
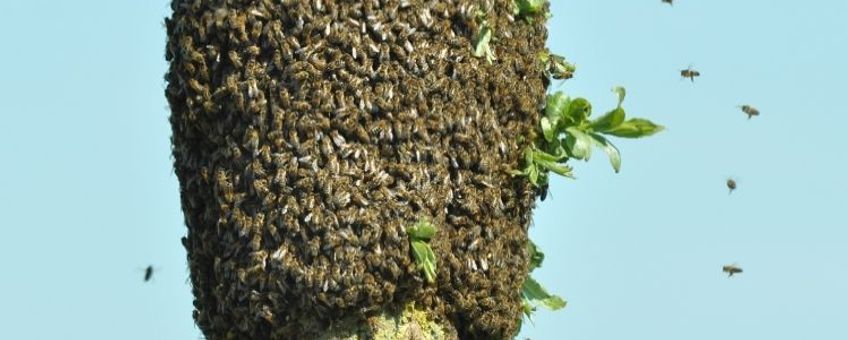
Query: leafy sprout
(419,235)
(568,132)
(555,66)
(532,293)
(536,256)
(481,42)
(528,8)
(539,163)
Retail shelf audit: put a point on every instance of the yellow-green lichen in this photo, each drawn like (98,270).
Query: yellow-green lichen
(412,324)
(409,323)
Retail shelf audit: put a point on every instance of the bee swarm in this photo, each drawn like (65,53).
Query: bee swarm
(308,134)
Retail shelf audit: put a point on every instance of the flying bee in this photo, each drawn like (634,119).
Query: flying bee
(731,185)
(148,273)
(670,2)
(690,73)
(749,110)
(731,269)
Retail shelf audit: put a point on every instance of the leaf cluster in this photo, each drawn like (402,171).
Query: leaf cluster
(482,48)
(533,294)
(555,66)
(569,133)
(527,9)
(420,235)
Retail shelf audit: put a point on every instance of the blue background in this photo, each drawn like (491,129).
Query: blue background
(88,197)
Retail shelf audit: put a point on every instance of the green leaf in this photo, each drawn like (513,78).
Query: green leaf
(422,230)
(611,150)
(548,129)
(551,163)
(536,255)
(614,117)
(559,169)
(579,110)
(481,43)
(609,120)
(556,148)
(620,92)
(419,234)
(579,144)
(528,309)
(426,259)
(635,128)
(535,294)
(539,155)
(528,7)
(556,106)
(543,56)
(558,68)
(543,179)
(533,175)
(532,293)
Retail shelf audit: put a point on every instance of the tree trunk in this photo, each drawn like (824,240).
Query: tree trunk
(308,135)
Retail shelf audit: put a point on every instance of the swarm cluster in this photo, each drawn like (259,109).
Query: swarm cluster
(307,135)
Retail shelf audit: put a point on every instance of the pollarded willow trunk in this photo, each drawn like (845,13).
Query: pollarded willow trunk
(307,137)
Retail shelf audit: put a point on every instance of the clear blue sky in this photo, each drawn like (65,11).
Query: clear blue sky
(88,198)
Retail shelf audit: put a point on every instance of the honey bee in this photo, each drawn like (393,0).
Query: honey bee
(256,242)
(543,192)
(690,73)
(731,269)
(317,63)
(301,76)
(148,273)
(338,139)
(670,2)
(731,185)
(749,110)
(251,140)
(301,106)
